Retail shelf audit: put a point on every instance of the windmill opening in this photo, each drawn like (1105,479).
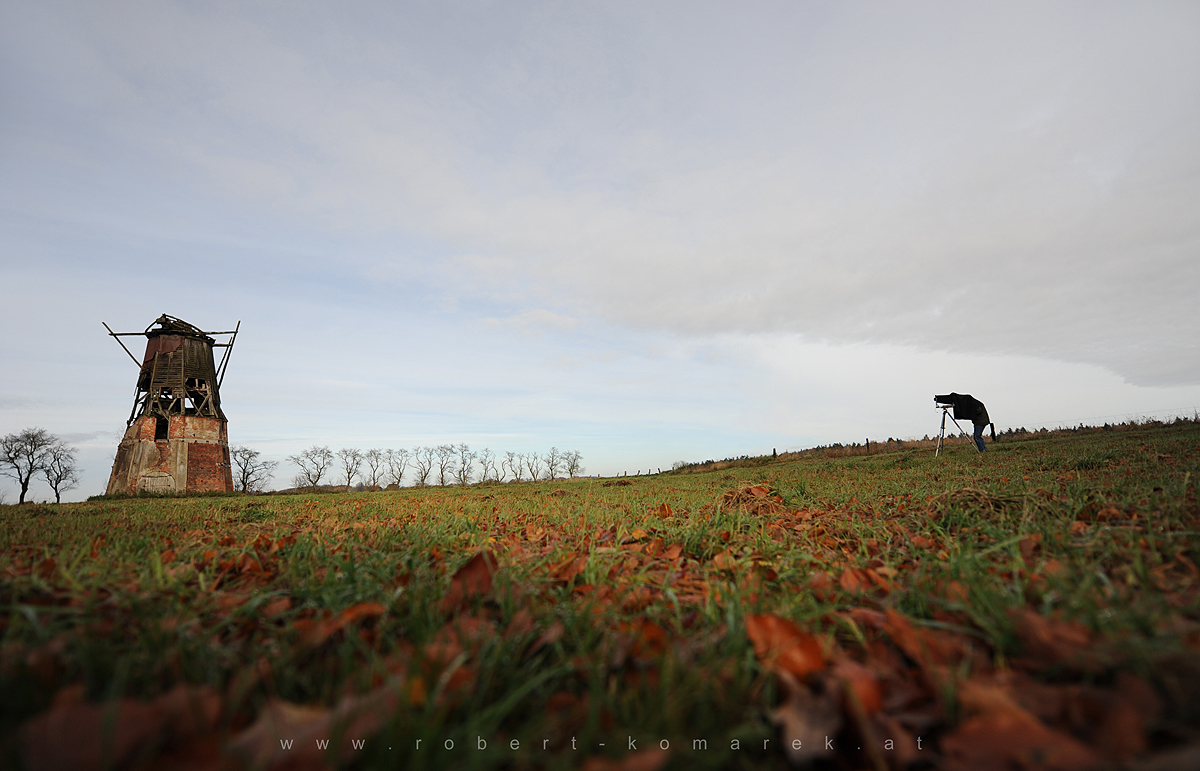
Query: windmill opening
(160,428)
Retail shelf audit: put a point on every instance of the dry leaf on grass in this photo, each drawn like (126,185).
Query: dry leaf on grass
(1001,736)
(806,719)
(322,630)
(861,681)
(755,499)
(472,580)
(356,717)
(1049,642)
(783,646)
(566,569)
(639,760)
(77,735)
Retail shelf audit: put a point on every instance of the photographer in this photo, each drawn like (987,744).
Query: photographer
(967,407)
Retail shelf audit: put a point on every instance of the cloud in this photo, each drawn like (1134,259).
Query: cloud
(950,179)
(536,321)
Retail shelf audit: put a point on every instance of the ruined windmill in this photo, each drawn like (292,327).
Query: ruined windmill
(176,437)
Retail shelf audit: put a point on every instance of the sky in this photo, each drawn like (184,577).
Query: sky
(649,232)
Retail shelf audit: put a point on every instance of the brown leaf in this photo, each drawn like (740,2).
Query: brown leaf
(552,635)
(472,580)
(821,584)
(724,561)
(639,760)
(1002,736)
(956,591)
(861,681)
(275,607)
(927,647)
(322,630)
(76,735)
(805,719)
(519,625)
(1050,642)
(853,581)
(783,646)
(568,568)
(665,511)
(355,717)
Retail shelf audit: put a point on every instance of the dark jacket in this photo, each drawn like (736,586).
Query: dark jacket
(966,407)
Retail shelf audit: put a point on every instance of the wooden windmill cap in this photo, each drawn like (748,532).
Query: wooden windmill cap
(169,325)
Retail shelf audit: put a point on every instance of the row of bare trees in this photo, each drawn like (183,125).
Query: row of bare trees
(444,464)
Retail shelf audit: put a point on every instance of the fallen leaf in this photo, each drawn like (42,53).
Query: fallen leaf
(927,647)
(275,607)
(322,630)
(861,681)
(519,625)
(553,634)
(821,585)
(569,568)
(956,591)
(805,719)
(472,580)
(724,561)
(638,760)
(1050,642)
(853,581)
(77,735)
(783,646)
(1001,736)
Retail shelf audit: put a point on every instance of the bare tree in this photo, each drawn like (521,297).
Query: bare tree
(376,466)
(25,454)
(533,464)
(60,471)
(423,463)
(253,473)
(352,460)
(554,462)
(572,462)
(487,462)
(397,463)
(466,462)
(313,464)
(445,460)
(512,461)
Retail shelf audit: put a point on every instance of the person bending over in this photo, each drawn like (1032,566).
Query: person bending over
(967,407)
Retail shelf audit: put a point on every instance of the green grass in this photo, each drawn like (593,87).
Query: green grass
(1097,526)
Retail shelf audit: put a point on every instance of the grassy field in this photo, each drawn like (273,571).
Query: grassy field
(1036,607)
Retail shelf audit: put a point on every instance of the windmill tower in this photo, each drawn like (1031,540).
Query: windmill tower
(176,438)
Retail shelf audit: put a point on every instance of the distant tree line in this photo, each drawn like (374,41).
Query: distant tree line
(36,452)
(444,464)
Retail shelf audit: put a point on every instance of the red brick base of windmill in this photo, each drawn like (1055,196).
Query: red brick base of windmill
(175,454)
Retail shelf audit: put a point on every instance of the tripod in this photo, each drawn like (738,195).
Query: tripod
(945,408)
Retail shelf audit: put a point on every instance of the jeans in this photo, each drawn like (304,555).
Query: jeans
(979,437)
